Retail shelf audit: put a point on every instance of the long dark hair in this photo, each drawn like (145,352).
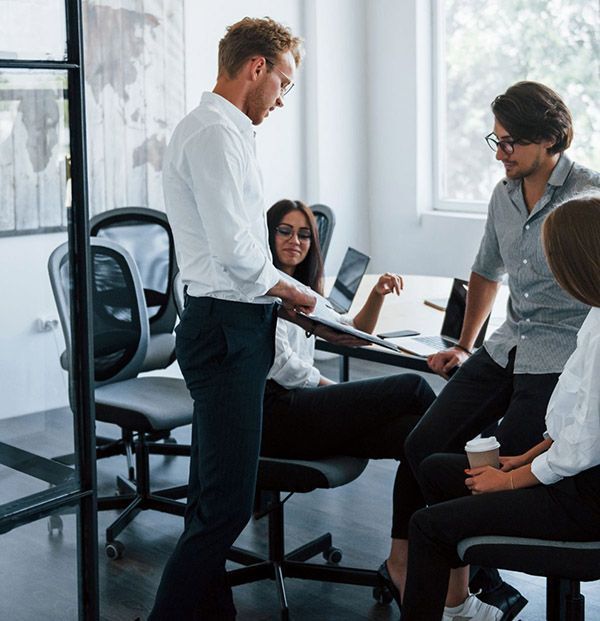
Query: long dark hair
(310,271)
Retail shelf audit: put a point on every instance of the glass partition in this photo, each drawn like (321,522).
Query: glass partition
(33,30)
(48,531)
(42,581)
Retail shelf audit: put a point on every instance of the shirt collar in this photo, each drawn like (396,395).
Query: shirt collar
(233,113)
(561,171)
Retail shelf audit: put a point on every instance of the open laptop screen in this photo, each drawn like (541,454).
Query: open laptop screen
(455,313)
(348,279)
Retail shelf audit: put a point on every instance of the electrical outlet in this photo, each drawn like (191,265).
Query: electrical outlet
(46,324)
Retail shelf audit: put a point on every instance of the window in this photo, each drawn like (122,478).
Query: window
(484,47)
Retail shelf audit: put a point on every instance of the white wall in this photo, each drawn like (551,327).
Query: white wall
(354,134)
(405,235)
(337,155)
(30,375)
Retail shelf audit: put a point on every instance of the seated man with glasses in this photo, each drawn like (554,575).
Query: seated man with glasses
(513,375)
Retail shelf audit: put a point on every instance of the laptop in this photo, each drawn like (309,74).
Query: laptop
(348,279)
(451,327)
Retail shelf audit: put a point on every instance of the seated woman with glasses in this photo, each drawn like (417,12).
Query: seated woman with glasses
(550,492)
(307,415)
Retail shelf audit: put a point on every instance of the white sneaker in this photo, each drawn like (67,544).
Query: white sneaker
(472,609)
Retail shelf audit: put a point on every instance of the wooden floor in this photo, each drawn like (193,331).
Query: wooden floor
(38,571)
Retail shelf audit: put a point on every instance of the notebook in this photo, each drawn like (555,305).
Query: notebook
(453,321)
(348,280)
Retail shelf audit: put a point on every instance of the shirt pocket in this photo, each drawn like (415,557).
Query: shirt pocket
(539,262)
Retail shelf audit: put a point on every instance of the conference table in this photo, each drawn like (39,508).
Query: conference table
(407,311)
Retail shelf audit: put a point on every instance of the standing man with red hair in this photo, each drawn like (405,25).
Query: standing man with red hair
(225,341)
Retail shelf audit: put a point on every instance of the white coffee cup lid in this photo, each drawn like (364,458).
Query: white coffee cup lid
(479,445)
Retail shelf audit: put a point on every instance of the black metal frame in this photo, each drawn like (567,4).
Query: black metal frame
(564,601)
(83,493)
(278,565)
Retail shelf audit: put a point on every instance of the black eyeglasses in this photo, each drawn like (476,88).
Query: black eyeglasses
(304,235)
(507,146)
(290,84)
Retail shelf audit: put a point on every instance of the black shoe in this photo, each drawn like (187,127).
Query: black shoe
(386,579)
(506,598)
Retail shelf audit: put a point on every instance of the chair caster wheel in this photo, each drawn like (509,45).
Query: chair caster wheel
(333,555)
(55,523)
(382,595)
(114,550)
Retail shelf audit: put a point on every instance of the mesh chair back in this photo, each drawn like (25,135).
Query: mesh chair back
(325,224)
(120,321)
(147,237)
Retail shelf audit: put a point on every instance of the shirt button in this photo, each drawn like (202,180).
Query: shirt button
(527,227)
(524,261)
(523,337)
(526,295)
(528,320)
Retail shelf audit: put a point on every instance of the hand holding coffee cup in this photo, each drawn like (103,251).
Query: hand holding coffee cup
(483,452)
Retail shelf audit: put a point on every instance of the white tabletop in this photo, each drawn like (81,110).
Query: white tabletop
(408,310)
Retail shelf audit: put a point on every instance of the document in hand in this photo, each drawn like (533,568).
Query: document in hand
(326,316)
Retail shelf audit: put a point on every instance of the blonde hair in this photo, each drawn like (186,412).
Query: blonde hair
(571,238)
(255,36)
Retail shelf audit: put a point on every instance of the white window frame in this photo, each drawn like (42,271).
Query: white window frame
(438,149)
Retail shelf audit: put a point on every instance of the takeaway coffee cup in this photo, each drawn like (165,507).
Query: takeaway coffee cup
(483,452)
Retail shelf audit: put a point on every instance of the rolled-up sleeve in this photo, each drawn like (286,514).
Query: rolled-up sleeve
(488,262)
(217,175)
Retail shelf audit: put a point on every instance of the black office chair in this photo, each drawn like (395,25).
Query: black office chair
(276,475)
(140,406)
(564,564)
(325,223)
(146,235)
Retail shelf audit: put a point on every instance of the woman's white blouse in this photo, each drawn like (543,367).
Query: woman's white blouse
(294,357)
(573,416)
(293,366)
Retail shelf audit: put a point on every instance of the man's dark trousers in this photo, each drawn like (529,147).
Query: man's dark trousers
(225,350)
(480,393)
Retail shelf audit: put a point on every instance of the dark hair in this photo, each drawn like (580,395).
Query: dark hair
(310,271)
(533,112)
(571,238)
(252,36)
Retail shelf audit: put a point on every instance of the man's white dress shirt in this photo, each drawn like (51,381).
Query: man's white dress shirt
(214,201)
(573,416)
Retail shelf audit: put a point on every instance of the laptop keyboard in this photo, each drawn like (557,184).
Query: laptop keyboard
(437,342)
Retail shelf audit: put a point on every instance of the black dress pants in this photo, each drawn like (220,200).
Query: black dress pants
(225,350)
(479,394)
(369,418)
(568,510)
